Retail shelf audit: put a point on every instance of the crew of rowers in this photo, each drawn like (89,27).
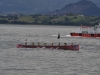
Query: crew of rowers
(45,44)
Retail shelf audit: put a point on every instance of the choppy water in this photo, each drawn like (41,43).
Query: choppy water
(15,61)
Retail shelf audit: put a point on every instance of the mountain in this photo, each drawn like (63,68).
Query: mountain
(32,6)
(84,7)
(35,6)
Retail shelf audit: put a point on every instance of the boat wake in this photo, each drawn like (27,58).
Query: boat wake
(61,36)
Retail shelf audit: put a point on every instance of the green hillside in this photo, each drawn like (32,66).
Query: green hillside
(74,20)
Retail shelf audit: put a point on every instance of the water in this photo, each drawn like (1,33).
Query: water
(15,61)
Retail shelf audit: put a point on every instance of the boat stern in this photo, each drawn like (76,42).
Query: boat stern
(75,47)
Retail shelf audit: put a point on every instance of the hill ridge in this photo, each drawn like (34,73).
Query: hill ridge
(84,7)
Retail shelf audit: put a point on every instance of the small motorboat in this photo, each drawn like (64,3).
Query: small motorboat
(62,46)
(87,31)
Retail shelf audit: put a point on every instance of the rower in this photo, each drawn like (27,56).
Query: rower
(65,44)
(25,43)
(38,44)
(59,44)
(33,43)
(72,44)
(44,44)
(51,44)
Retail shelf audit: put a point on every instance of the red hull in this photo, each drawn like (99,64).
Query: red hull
(69,47)
(85,35)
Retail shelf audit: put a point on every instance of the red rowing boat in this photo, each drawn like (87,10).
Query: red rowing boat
(64,47)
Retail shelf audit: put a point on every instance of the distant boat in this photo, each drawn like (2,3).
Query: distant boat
(63,46)
(88,31)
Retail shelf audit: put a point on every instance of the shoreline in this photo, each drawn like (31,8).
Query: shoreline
(39,25)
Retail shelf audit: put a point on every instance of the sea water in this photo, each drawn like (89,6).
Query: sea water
(14,61)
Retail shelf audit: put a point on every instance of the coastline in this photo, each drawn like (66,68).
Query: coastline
(39,25)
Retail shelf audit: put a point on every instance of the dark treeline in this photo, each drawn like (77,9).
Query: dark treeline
(37,19)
